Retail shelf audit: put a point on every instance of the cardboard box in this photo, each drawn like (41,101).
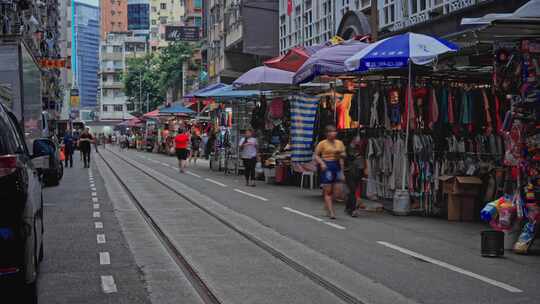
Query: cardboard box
(463,185)
(461,207)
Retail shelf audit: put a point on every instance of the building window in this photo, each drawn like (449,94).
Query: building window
(105,108)
(154,9)
(118,108)
(117,78)
(154,22)
(117,49)
(130,106)
(163,6)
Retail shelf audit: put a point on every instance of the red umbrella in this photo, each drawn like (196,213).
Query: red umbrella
(291,61)
(152,114)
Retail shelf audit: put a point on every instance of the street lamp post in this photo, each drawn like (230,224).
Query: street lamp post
(140,90)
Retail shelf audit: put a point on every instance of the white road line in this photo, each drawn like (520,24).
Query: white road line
(451,267)
(92,185)
(101,238)
(303,214)
(94,199)
(94,193)
(96,214)
(104,258)
(335,225)
(98,225)
(215,182)
(252,195)
(193,174)
(107,284)
(93,188)
(165,164)
(96,206)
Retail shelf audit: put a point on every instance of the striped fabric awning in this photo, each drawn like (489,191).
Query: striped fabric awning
(303,113)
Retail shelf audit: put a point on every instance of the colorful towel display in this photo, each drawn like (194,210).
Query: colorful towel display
(303,113)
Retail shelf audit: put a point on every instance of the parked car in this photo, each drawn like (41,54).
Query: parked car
(21,211)
(55,172)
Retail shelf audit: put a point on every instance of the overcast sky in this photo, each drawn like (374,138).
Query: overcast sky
(91,2)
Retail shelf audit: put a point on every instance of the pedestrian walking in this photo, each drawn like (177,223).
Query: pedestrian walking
(181,144)
(96,143)
(123,142)
(69,146)
(330,155)
(85,145)
(248,153)
(195,147)
(354,173)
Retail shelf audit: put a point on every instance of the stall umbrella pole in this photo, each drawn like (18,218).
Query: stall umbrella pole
(402,199)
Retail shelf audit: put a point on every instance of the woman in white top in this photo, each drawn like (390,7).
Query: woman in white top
(248,153)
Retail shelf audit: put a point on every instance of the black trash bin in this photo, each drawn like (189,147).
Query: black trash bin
(492,243)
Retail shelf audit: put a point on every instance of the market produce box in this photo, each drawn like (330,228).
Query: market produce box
(463,185)
(461,207)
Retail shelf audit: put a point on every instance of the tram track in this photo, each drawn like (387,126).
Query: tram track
(205,292)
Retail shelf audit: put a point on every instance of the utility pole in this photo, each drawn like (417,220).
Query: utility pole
(140,90)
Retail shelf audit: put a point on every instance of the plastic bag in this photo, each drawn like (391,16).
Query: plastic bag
(259,168)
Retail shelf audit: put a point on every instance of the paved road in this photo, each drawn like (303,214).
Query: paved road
(383,259)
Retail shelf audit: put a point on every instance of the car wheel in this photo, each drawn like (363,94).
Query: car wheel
(41,253)
(60,171)
(30,293)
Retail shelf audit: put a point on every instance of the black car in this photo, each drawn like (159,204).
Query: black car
(54,173)
(21,212)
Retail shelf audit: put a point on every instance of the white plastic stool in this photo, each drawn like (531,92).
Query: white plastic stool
(311,176)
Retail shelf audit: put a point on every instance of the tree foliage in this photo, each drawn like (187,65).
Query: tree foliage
(155,74)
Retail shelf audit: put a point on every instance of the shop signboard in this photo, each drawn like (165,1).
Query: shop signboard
(75,99)
(182,33)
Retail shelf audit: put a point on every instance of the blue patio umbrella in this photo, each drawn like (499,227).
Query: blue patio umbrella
(229,92)
(208,88)
(400,51)
(175,109)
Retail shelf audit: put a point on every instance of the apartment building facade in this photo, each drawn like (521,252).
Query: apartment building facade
(163,13)
(115,50)
(310,22)
(239,36)
(114,16)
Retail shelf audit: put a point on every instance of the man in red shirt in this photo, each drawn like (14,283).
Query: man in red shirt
(181,143)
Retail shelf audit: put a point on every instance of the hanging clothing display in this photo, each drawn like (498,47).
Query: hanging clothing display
(342,110)
(303,113)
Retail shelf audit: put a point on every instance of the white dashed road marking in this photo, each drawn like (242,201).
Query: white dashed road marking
(252,195)
(96,214)
(98,225)
(101,239)
(215,182)
(94,193)
(303,214)
(93,188)
(193,174)
(96,206)
(104,258)
(335,225)
(451,267)
(107,284)
(94,199)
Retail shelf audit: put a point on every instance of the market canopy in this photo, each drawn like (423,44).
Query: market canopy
(229,92)
(397,51)
(175,109)
(291,61)
(329,60)
(152,114)
(205,89)
(132,123)
(264,78)
(523,23)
